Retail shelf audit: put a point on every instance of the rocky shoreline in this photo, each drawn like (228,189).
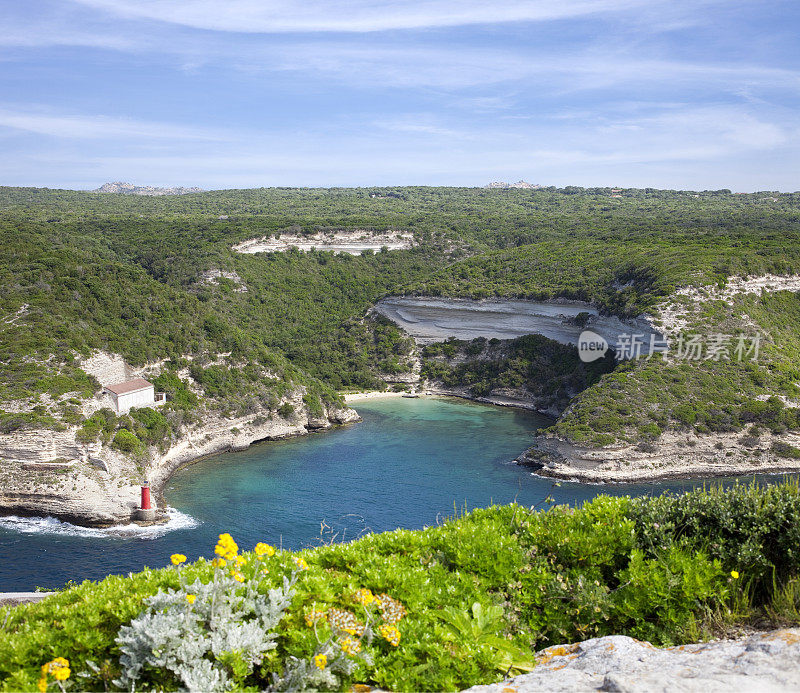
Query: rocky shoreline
(675,455)
(100,487)
(516,399)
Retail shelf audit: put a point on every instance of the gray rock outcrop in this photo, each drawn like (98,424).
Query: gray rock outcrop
(121,188)
(429,319)
(762,662)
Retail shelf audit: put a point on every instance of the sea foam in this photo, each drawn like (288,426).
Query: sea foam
(51,525)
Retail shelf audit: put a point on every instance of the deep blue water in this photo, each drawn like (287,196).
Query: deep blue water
(405,465)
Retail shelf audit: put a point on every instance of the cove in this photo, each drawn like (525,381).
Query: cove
(406,465)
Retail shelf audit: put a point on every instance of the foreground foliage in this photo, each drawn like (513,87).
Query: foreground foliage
(438,609)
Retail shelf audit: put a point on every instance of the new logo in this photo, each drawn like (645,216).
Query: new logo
(591,346)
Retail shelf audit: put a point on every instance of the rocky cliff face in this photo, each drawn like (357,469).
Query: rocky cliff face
(429,319)
(674,455)
(50,473)
(130,189)
(502,185)
(680,453)
(352,241)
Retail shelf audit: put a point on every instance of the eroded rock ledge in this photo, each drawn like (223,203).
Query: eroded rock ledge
(430,319)
(352,241)
(100,487)
(675,455)
(762,662)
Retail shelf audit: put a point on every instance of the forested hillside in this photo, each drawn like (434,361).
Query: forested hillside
(84,271)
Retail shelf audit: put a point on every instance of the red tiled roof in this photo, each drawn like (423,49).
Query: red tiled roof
(129,386)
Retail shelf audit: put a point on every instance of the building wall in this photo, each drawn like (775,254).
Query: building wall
(142,398)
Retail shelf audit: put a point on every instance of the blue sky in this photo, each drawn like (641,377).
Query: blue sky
(698,94)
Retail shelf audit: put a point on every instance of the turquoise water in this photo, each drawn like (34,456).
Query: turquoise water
(406,465)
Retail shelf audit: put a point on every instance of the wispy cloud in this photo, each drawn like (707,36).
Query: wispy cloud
(421,125)
(274,16)
(618,56)
(70,126)
(403,91)
(459,67)
(674,133)
(61,26)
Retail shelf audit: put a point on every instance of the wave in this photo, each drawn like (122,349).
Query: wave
(51,525)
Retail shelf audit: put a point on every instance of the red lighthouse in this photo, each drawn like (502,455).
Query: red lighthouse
(145,498)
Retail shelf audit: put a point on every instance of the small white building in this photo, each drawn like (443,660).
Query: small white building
(134,393)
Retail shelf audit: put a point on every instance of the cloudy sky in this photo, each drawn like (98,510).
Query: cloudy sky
(691,94)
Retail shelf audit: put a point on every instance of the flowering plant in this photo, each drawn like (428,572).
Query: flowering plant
(59,668)
(208,636)
(341,637)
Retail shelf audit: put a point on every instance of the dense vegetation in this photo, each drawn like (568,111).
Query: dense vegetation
(480,593)
(545,369)
(642,398)
(84,271)
(622,275)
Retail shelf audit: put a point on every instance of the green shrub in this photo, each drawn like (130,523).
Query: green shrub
(753,530)
(285,410)
(125,441)
(314,405)
(785,450)
(650,430)
(177,391)
(662,598)
(89,432)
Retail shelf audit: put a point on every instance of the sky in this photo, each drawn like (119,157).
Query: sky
(681,94)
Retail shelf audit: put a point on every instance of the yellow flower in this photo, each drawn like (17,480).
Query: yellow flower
(239,560)
(177,558)
(238,577)
(301,563)
(59,667)
(190,598)
(219,562)
(320,661)
(365,597)
(390,633)
(735,574)
(263,549)
(350,646)
(226,547)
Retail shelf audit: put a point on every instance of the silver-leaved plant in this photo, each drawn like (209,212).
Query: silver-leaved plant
(196,632)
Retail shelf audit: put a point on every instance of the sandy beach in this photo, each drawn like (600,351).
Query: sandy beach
(374,394)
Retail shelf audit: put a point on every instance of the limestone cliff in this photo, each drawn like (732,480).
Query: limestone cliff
(51,472)
(674,455)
